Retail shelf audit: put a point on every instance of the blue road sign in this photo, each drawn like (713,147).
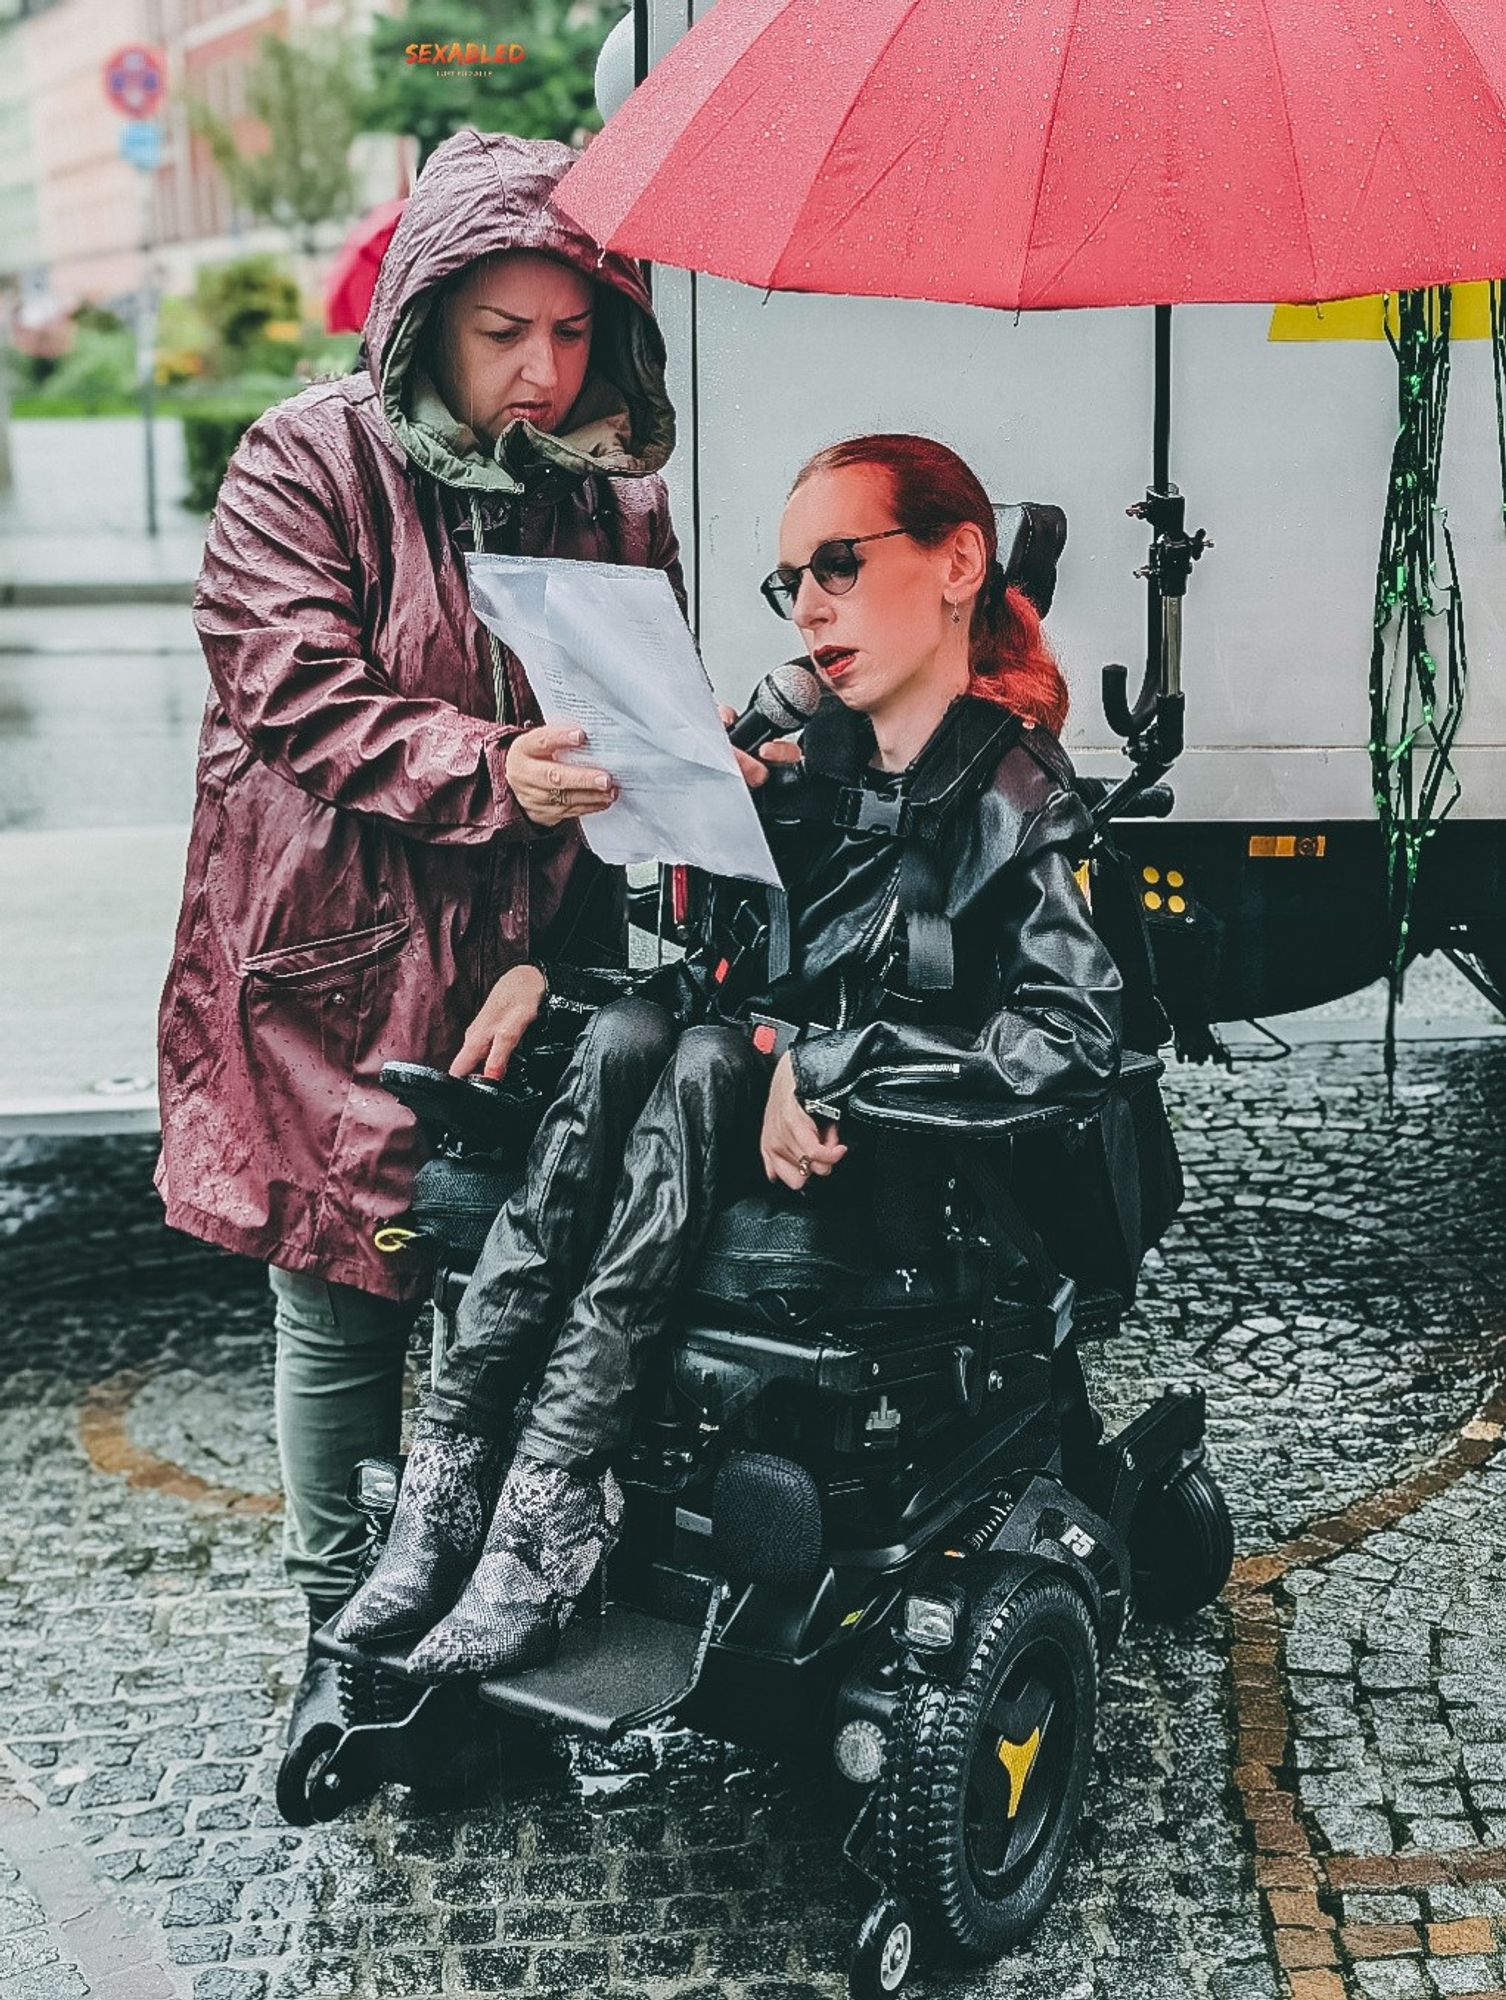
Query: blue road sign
(141,143)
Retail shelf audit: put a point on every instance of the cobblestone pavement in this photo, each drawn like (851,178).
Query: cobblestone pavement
(1300,1793)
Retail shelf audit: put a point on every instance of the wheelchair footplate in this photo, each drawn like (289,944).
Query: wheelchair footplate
(616,1670)
(410,1734)
(391,1655)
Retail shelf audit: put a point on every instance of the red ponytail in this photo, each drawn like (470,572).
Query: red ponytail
(1012,664)
(932,491)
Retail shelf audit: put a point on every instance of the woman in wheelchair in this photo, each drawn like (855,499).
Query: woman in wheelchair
(931,927)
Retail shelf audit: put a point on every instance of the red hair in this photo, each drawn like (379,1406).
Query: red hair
(932,491)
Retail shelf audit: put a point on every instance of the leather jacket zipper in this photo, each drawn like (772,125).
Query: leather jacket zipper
(872,943)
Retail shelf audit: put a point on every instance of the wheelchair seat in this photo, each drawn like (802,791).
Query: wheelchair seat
(776,1256)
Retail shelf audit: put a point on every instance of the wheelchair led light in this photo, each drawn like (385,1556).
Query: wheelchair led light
(373,1487)
(859,1751)
(929,1624)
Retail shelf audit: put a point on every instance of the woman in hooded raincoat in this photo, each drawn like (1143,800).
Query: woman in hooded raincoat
(379,837)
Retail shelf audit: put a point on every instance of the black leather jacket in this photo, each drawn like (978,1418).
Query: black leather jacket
(940,931)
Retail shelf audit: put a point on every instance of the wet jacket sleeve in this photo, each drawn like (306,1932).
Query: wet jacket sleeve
(276,610)
(1057,1033)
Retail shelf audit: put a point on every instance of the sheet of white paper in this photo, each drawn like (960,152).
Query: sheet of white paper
(604,645)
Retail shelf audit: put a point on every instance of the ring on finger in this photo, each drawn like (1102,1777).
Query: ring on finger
(557,796)
(803,1164)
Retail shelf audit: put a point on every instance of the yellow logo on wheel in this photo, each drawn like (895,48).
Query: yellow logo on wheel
(1018,1760)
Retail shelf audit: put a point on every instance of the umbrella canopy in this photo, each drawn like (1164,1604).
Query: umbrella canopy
(353,275)
(1046,153)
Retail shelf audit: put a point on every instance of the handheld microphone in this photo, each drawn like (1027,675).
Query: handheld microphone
(784,701)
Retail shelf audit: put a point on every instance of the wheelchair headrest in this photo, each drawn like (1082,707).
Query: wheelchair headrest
(1031,539)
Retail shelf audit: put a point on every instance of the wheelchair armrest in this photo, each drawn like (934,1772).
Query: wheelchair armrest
(469,1107)
(897,1106)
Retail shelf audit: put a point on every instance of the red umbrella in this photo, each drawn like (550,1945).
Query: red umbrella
(353,275)
(1048,153)
(1042,153)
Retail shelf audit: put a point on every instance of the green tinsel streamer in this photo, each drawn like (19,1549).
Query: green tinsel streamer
(1498,360)
(1412,725)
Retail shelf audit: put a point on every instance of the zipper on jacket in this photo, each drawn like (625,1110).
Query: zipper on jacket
(491,950)
(499,668)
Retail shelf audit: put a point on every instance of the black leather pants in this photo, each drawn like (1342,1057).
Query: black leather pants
(652,1129)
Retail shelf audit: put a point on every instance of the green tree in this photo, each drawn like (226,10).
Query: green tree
(306,95)
(548,95)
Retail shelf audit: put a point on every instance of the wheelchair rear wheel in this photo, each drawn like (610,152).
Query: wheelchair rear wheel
(986,1778)
(1181,1543)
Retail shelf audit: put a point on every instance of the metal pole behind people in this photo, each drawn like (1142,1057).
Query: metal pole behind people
(135,81)
(146,347)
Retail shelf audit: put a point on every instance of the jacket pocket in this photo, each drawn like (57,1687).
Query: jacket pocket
(310,1017)
(318,963)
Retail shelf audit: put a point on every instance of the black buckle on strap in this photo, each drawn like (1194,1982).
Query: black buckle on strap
(859,810)
(770,1035)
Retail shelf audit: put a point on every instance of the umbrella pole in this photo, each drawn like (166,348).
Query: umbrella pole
(1163,635)
(1161,473)
(1153,727)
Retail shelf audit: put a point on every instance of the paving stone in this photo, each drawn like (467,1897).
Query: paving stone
(226,1983)
(1467,1975)
(162,1643)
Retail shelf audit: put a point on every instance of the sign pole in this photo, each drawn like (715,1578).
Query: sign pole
(135,80)
(146,351)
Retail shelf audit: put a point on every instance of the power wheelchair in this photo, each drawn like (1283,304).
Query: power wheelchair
(870,1512)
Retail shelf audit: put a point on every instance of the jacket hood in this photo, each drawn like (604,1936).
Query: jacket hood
(484,192)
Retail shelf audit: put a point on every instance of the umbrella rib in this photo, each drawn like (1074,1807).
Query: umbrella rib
(835,222)
(1475,62)
(1040,179)
(1082,242)
(1291,143)
(888,42)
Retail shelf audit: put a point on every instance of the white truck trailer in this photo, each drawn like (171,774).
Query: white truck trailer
(1266,889)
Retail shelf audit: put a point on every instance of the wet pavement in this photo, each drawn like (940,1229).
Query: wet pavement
(73,525)
(1300,1792)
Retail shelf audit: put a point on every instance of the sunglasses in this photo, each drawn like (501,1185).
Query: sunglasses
(833,566)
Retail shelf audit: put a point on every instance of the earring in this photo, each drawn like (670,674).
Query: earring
(956,614)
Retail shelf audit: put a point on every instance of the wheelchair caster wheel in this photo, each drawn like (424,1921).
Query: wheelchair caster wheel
(304,1797)
(881,1957)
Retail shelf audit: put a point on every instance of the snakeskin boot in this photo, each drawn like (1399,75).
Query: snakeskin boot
(437,1532)
(551,1532)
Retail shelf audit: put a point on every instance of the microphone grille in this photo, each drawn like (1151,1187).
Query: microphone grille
(791,694)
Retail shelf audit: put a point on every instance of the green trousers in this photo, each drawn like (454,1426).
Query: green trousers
(339,1397)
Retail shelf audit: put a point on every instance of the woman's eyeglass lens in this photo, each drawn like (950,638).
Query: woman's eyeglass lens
(833,565)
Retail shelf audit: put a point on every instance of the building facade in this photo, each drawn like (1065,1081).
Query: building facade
(78,221)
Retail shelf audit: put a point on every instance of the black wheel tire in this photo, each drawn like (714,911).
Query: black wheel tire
(1181,1545)
(884,1951)
(298,1774)
(978,1852)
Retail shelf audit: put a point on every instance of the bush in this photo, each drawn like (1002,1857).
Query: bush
(328,355)
(90,318)
(213,427)
(183,343)
(239,299)
(97,373)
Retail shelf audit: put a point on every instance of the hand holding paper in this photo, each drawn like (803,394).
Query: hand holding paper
(604,645)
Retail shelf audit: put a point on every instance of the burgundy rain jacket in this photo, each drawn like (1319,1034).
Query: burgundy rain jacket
(359,873)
